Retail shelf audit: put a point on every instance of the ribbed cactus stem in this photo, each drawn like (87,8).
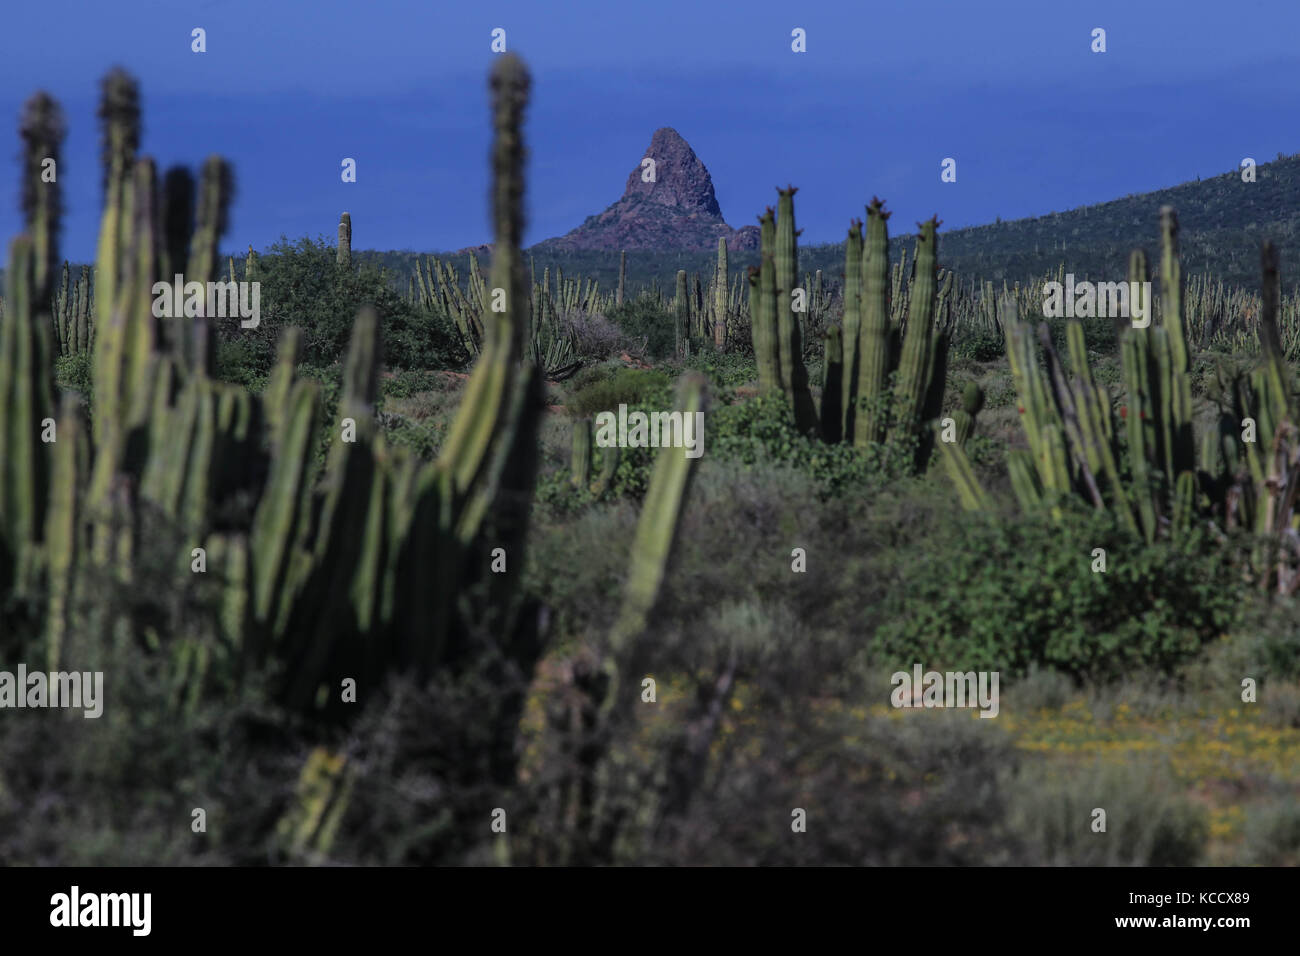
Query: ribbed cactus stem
(832,386)
(682,316)
(580,454)
(721,279)
(63,524)
(119,114)
(786,257)
(762,309)
(873,349)
(25,402)
(42,131)
(915,360)
(622,279)
(344,258)
(485,403)
(657,529)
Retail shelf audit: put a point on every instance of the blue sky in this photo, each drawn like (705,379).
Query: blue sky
(886,90)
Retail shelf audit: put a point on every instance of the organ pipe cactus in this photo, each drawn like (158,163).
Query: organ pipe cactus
(794,375)
(915,360)
(720,281)
(42,131)
(682,317)
(851,333)
(344,255)
(1155,482)
(380,562)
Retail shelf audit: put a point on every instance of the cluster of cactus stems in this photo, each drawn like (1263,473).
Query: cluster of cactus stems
(1141,461)
(883,377)
(374,562)
(73,306)
(436,287)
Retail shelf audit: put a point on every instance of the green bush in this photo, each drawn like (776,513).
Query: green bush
(302,286)
(407,382)
(647,388)
(1006,594)
(760,432)
(75,373)
(644,319)
(240,362)
(977,345)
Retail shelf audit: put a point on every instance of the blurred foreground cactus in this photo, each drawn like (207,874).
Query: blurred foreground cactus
(371,563)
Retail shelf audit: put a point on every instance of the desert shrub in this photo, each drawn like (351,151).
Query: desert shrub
(594,337)
(1040,689)
(648,389)
(979,345)
(1272,834)
(760,430)
(1148,822)
(407,382)
(424,438)
(302,286)
(75,373)
(726,371)
(1003,594)
(240,362)
(643,319)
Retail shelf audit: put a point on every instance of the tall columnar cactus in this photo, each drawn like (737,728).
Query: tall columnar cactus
(682,317)
(345,242)
(27,346)
(26,403)
(63,525)
(794,374)
(721,279)
(762,309)
(622,279)
(873,354)
(42,131)
(216,191)
(851,332)
(832,380)
(914,367)
(119,114)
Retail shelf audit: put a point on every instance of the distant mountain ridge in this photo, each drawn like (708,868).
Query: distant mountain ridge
(1221,219)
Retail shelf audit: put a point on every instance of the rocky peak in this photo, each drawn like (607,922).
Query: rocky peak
(680,179)
(678,210)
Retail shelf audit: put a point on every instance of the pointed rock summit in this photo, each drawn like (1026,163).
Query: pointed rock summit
(667,205)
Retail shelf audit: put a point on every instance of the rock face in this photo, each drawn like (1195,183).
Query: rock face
(678,210)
